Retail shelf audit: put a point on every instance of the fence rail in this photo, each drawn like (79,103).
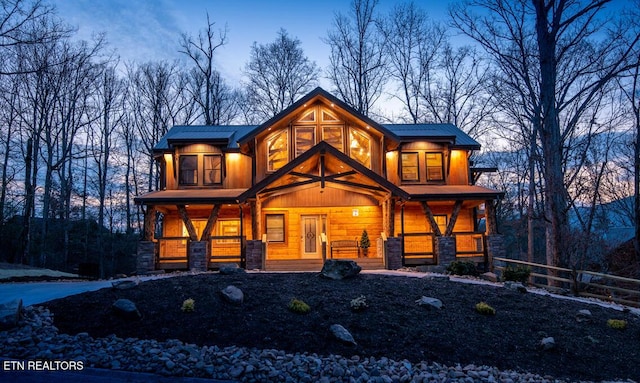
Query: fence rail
(581,283)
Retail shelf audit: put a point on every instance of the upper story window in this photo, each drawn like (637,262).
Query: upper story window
(435,166)
(410,167)
(188,170)
(277,150)
(212,169)
(332,134)
(360,147)
(305,138)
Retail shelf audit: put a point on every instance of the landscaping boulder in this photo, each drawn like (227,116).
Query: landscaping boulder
(429,302)
(230,269)
(126,309)
(548,343)
(489,276)
(10,313)
(342,334)
(124,285)
(232,295)
(340,269)
(583,316)
(517,286)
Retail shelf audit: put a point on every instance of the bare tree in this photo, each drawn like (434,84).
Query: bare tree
(213,97)
(278,74)
(559,56)
(358,68)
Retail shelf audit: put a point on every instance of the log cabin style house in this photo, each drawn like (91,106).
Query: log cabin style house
(304,186)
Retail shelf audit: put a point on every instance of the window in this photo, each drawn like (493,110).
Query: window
(275,227)
(435,169)
(410,168)
(360,147)
(305,138)
(212,169)
(228,228)
(277,150)
(189,170)
(332,135)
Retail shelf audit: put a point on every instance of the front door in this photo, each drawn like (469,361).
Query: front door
(310,237)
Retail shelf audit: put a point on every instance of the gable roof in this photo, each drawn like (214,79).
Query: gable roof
(317,93)
(359,175)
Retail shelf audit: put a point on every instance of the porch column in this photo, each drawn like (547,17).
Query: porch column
(197,255)
(254,255)
(393,253)
(149,223)
(494,240)
(445,250)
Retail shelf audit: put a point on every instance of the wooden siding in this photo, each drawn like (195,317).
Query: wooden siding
(172,223)
(416,222)
(319,197)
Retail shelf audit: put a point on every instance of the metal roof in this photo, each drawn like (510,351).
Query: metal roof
(411,132)
(227,134)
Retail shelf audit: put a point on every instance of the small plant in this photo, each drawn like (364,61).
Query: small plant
(299,307)
(188,305)
(359,303)
(618,324)
(516,273)
(485,309)
(462,268)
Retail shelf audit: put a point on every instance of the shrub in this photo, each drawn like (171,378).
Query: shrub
(618,324)
(516,273)
(485,309)
(299,307)
(188,305)
(359,303)
(462,268)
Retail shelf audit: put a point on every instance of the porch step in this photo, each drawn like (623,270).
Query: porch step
(316,264)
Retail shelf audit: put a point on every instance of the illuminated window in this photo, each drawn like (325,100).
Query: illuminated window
(305,138)
(435,169)
(277,150)
(360,147)
(332,135)
(410,168)
(441,220)
(275,227)
(188,170)
(228,228)
(212,169)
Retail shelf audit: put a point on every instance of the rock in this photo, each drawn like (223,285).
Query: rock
(517,286)
(491,277)
(342,334)
(548,343)
(124,285)
(429,302)
(126,309)
(230,269)
(340,269)
(583,316)
(232,295)
(10,313)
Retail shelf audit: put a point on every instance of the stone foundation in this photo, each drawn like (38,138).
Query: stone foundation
(146,257)
(393,253)
(197,255)
(254,255)
(445,250)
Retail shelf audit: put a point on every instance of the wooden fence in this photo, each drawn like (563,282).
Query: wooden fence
(581,283)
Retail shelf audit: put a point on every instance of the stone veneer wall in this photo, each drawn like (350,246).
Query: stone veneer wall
(445,250)
(254,254)
(146,258)
(197,255)
(393,252)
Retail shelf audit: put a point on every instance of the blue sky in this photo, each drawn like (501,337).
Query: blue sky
(149,30)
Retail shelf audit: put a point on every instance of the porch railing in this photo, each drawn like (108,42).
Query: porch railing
(173,252)
(227,249)
(419,248)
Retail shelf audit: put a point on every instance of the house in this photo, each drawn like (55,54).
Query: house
(304,186)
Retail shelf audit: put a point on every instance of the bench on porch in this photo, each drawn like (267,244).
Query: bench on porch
(346,244)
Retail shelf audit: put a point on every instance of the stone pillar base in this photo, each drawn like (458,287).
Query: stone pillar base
(393,253)
(495,248)
(445,250)
(254,255)
(197,255)
(146,257)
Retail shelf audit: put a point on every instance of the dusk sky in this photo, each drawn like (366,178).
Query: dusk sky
(150,30)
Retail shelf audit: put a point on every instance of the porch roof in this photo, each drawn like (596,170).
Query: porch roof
(450,192)
(190,196)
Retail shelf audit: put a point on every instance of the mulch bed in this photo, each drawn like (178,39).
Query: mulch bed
(393,325)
